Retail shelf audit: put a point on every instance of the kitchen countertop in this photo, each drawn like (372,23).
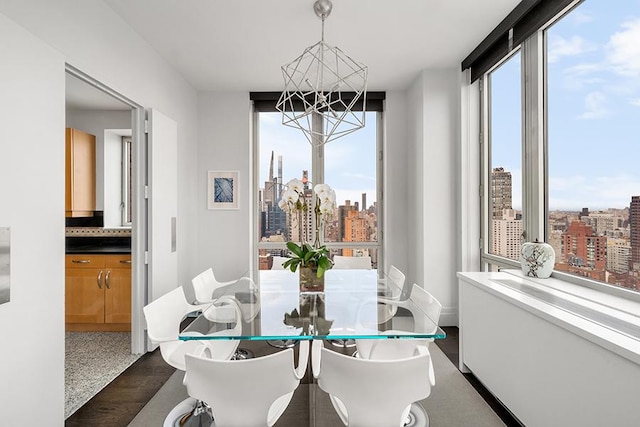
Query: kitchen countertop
(99,249)
(98,245)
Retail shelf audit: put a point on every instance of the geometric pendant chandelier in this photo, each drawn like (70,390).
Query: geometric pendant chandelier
(322,82)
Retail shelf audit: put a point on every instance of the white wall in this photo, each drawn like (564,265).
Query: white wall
(433,132)
(44,35)
(415,171)
(396,193)
(92,38)
(32,204)
(224,236)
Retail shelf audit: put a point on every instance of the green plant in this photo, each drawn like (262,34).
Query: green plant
(305,255)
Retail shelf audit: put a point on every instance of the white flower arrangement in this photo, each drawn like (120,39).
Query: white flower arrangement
(294,200)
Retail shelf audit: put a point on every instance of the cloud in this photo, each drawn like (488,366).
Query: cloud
(560,47)
(358,176)
(579,76)
(595,106)
(583,69)
(580,17)
(623,49)
(635,102)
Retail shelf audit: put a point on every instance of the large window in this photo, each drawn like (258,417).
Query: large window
(349,165)
(579,119)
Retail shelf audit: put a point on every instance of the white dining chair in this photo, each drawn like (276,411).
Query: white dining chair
(202,287)
(164,316)
(341,262)
(392,285)
(371,392)
(421,300)
(246,393)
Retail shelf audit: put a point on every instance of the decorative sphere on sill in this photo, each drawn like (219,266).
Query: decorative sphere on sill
(537,259)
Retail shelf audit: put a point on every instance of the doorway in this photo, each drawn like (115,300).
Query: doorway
(111,237)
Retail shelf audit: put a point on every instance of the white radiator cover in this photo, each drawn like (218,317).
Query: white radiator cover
(543,372)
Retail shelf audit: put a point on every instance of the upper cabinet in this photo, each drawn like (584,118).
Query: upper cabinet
(80,199)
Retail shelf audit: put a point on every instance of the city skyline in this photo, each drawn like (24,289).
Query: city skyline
(600,245)
(350,166)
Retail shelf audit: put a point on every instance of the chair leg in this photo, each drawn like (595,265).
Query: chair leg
(282,343)
(190,413)
(344,343)
(417,417)
(242,354)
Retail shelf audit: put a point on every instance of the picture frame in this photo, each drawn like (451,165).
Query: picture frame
(222,190)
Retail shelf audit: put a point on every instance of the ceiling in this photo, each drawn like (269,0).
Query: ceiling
(229,45)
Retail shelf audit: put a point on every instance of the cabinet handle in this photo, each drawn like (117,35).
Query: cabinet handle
(106,280)
(125,261)
(81,261)
(100,279)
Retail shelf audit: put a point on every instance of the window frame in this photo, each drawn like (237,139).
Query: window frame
(126,214)
(535,161)
(265,102)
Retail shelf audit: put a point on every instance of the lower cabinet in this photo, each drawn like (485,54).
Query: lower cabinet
(98,292)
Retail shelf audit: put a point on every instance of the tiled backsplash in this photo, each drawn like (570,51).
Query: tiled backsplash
(96,231)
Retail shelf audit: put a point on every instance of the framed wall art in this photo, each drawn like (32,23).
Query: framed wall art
(222,190)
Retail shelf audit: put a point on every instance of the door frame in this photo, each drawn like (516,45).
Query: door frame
(139,226)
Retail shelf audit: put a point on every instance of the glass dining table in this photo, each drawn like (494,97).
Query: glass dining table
(355,304)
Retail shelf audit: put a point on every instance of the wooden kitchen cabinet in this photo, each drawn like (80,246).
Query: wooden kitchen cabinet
(80,176)
(98,293)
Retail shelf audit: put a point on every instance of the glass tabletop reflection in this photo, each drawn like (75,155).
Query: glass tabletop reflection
(355,304)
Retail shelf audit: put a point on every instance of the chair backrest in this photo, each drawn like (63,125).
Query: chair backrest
(396,276)
(427,302)
(352,262)
(375,393)
(165,314)
(203,286)
(242,392)
(278,261)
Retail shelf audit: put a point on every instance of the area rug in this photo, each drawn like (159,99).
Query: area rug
(453,402)
(93,360)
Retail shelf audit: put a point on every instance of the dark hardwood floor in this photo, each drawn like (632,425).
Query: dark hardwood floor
(118,403)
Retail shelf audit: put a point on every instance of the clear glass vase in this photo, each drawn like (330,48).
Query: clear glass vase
(309,280)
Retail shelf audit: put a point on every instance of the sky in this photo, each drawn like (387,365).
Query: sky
(350,161)
(594,108)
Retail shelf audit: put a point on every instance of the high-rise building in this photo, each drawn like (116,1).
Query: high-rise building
(273,220)
(356,229)
(581,247)
(500,192)
(618,255)
(343,212)
(506,232)
(634,232)
(301,225)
